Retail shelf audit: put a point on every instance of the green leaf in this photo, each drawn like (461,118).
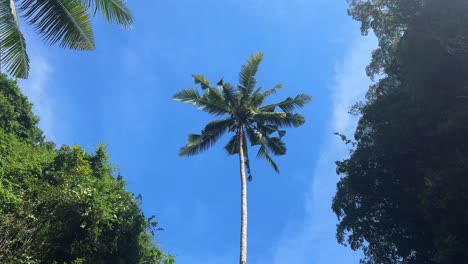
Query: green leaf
(232,147)
(229,95)
(190,96)
(275,145)
(212,101)
(199,79)
(247,74)
(220,83)
(12,44)
(279,119)
(64,21)
(208,137)
(255,136)
(114,11)
(267,108)
(263,153)
(290,104)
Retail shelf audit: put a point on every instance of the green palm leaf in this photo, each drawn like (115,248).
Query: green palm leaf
(114,11)
(229,95)
(275,145)
(189,96)
(12,45)
(270,129)
(64,21)
(261,136)
(247,74)
(208,137)
(199,79)
(267,108)
(289,104)
(211,102)
(279,119)
(255,136)
(263,153)
(257,97)
(232,147)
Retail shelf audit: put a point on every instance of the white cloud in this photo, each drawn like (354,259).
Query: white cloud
(37,88)
(314,241)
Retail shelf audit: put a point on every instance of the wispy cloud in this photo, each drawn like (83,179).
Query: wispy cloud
(37,88)
(314,241)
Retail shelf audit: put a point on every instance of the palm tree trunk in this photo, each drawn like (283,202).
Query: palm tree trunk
(243,240)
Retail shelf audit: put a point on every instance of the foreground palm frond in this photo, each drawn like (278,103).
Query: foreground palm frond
(12,44)
(66,22)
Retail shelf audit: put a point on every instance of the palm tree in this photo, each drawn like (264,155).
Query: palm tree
(58,21)
(242,113)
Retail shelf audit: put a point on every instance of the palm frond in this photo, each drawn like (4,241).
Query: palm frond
(289,104)
(64,21)
(229,95)
(247,74)
(211,102)
(220,82)
(261,135)
(257,98)
(275,145)
(12,44)
(263,153)
(195,144)
(271,91)
(281,133)
(114,11)
(199,79)
(232,147)
(189,96)
(267,129)
(267,108)
(255,136)
(279,119)
(198,143)
(218,126)
(270,129)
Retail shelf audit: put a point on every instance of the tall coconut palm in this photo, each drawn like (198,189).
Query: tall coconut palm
(242,113)
(66,22)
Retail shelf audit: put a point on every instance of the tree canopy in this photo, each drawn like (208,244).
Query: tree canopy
(64,205)
(242,108)
(402,196)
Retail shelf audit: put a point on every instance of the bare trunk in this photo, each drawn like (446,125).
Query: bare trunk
(243,241)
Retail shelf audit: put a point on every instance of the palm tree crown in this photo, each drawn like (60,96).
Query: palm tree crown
(242,112)
(58,21)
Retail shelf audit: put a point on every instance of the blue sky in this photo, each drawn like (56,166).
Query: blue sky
(121,93)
